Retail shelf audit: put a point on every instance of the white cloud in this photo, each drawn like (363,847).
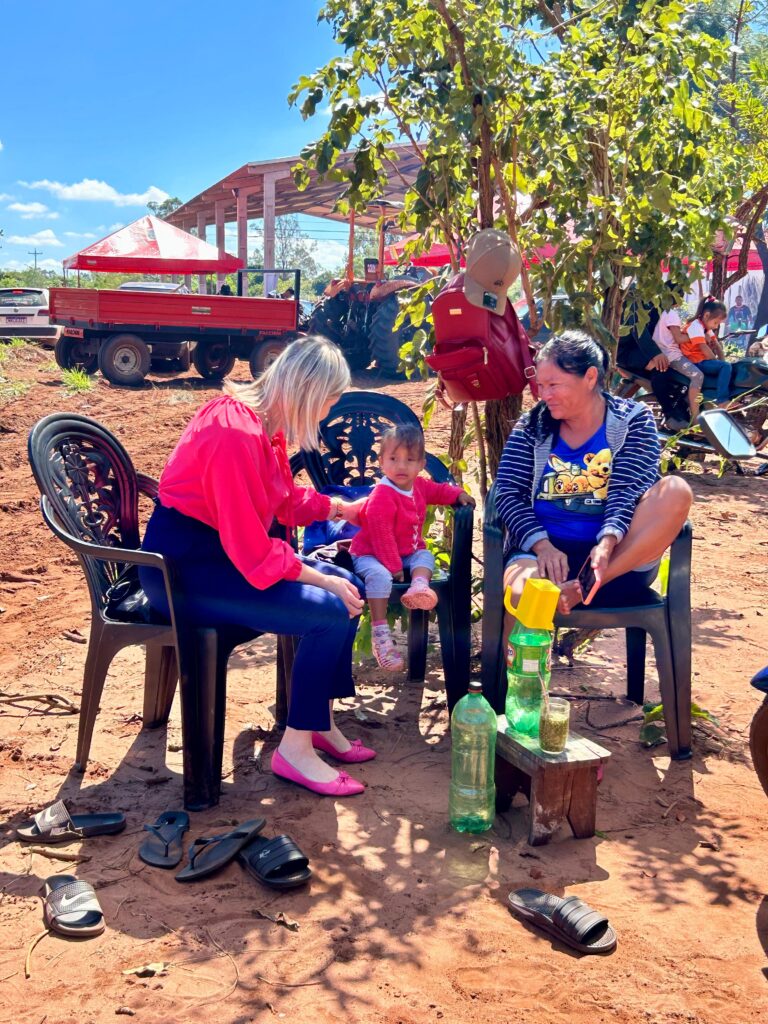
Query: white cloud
(330,255)
(116,226)
(46,237)
(1,146)
(41,265)
(32,211)
(4,197)
(94,191)
(87,235)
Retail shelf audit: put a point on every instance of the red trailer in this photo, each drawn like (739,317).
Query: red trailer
(120,332)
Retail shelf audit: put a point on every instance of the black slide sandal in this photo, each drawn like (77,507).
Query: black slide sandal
(163,847)
(569,920)
(276,862)
(71,908)
(55,824)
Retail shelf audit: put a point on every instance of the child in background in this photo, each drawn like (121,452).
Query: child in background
(390,539)
(670,338)
(703,348)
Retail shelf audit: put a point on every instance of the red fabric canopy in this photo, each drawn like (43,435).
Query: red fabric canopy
(151,246)
(439,255)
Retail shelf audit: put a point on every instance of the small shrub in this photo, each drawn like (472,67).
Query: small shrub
(12,389)
(76,381)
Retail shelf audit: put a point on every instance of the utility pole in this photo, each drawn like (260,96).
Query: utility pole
(35,252)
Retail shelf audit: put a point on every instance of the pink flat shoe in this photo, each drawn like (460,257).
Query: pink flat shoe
(342,785)
(355,755)
(421,598)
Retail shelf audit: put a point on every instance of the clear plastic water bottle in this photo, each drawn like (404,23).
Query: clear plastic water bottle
(529,654)
(472,802)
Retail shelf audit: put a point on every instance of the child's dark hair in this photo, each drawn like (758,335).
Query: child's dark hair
(572,352)
(404,435)
(710,305)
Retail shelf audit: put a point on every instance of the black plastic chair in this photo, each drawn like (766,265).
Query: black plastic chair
(667,620)
(349,455)
(90,498)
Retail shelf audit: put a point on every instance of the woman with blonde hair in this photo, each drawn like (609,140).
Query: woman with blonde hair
(225,482)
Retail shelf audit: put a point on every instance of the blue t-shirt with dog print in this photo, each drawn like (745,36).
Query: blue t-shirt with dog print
(570,497)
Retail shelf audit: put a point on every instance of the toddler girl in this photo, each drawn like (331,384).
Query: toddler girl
(703,348)
(390,539)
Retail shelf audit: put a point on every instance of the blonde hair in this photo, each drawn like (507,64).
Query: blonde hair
(292,391)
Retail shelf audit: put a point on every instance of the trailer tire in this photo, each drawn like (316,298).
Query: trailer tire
(72,354)
(213,359)
(185,357)
(124,360)
(265,353)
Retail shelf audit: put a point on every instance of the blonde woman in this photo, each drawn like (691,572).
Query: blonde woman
(227,479)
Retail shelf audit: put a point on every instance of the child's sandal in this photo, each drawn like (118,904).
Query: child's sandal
(386,655)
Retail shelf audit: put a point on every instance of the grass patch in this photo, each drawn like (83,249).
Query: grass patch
(12,389)
(76,381)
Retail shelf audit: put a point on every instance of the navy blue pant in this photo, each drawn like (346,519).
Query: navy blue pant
(217,594)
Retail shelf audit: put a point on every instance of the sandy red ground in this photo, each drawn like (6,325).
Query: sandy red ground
(404,921)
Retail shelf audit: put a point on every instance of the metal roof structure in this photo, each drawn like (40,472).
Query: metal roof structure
(266,190)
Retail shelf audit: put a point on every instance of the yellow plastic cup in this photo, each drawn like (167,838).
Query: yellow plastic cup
(537,606)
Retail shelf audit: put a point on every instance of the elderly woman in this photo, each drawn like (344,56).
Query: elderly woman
(579,482)
(226,481)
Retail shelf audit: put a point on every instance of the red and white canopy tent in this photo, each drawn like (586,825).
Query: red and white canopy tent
(153,246)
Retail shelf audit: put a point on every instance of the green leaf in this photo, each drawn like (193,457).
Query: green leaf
(652,735)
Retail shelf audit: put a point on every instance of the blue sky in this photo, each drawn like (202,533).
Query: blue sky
(118,103)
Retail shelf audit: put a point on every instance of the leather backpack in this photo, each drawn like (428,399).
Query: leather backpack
(478,355)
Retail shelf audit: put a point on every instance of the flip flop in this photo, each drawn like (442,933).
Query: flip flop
(71,907)
(55,824)
(164,848)
(569,920)
(209,855)
(277,862)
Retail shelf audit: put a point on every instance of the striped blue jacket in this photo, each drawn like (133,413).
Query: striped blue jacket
(634,443)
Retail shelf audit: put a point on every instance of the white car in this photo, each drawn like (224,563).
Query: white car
(24,313)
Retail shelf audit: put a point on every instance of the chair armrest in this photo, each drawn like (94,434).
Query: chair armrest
(461,549)
(493,608)
(147,485)
(105,553)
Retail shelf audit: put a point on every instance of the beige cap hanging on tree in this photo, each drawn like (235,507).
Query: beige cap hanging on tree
(493,265)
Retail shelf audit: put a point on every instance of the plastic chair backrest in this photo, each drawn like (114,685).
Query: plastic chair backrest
(91,484)
(350,437)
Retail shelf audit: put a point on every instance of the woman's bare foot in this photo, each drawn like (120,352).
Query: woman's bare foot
(570,596)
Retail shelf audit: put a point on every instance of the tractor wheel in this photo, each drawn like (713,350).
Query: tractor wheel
(329,318)
(385,342)
(124,359)
(213,359)
(758,743)
(264,354)
(73,354)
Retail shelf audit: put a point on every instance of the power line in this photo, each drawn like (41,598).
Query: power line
(35,252)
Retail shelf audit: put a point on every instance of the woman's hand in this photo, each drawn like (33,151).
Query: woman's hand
(465,499)
(348,593)
(601,556)
(553,564)
(350,510)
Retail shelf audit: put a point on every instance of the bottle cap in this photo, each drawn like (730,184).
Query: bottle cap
(475,686)
(537,606)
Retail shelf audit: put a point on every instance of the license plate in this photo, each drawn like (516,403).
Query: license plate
(16,319)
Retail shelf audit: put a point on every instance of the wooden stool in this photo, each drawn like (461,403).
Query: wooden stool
(558,786)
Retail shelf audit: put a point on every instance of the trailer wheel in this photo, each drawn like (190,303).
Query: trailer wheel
(74,354)
(213,359)
(124,359)
(264,354)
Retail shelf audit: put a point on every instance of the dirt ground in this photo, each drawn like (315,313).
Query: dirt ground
(404,921)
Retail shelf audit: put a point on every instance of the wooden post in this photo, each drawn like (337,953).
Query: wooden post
(270,280)
(202,284)
(218,212)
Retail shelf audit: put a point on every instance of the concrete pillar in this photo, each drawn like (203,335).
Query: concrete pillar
(270,280)
(242,226)
(202,284)
(218,211)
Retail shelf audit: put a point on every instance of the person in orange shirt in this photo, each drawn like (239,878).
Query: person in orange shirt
(702,346)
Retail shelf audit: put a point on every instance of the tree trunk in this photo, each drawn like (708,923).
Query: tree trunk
(500,417)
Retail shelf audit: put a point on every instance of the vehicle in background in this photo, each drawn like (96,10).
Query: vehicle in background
(123,332)
(24,313)
(545,331)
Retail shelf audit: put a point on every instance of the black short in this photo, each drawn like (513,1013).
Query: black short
(624,590)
